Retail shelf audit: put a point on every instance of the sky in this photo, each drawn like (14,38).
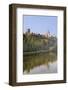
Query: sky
(41,24)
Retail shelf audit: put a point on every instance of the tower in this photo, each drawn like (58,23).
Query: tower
(28,30)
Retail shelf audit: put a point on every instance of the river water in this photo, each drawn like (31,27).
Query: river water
(42,63)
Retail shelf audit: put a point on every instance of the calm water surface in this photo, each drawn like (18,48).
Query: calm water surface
(40,63)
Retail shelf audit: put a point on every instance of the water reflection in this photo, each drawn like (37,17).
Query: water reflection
(40,63)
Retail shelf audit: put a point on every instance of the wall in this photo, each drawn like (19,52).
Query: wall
(4,44)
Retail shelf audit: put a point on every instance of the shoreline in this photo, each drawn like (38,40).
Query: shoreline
(36,52)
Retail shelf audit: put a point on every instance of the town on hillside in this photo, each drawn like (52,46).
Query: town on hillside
(33,42)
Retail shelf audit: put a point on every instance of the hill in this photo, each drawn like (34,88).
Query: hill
(37,43)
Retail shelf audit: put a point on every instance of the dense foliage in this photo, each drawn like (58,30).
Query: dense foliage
(36,42)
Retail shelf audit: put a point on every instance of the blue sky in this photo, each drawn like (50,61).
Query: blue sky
(41,24)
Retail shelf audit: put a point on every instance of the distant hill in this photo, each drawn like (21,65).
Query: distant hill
(35,42)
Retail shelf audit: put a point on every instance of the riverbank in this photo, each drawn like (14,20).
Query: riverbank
(36,52)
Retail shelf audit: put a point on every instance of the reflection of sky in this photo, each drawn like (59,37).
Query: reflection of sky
(41,24)
(50,68)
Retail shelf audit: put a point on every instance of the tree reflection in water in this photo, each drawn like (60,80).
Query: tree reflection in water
(34,61)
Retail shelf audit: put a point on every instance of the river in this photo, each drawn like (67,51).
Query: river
(42,63)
